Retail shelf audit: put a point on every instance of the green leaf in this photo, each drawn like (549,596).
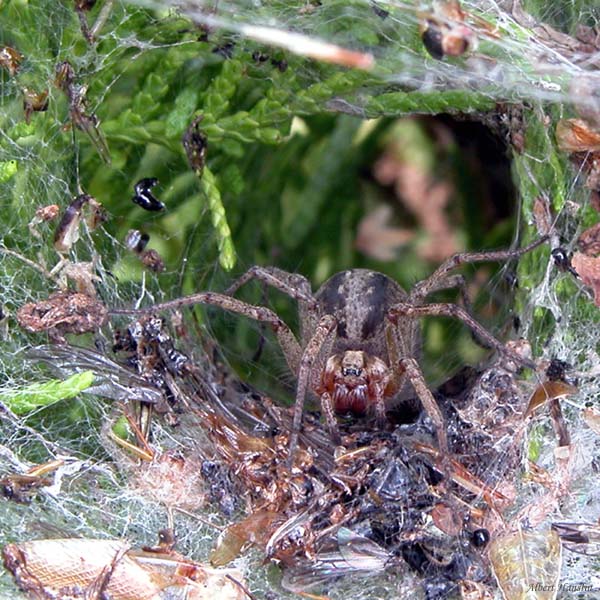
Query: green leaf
(7,169)
(37,395)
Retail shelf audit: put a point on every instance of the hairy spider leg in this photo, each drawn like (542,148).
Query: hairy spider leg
(287,340)
(294,285)
(298,288)
(410,367)
(323,333)
(405,309)
(407,367)
(422,289)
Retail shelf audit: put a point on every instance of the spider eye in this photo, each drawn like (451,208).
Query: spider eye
(351,371)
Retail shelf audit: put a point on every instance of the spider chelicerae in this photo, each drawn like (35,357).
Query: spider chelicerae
(359,338)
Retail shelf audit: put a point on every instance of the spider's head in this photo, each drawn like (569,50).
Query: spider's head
(352,367)
(350,379)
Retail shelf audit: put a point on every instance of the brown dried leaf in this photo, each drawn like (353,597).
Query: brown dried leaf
(254,529)
(589,241)
(576,135)
(588,268)
(549,390)
(521,557)
(63,312)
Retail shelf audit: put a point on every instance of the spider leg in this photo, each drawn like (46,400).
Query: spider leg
(323,332)
(380,409)
(328,411)
(406,309)
(288,342)
(294,285)
(432,283)
(410,368)
(458,282)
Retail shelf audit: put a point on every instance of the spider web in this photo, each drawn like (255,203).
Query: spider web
(261,74)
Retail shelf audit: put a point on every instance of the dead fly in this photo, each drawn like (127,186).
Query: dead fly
(111,379)
(10,59)
(67,231)
(448,30)
(136,241)
(22,487)
(34,102)
(351,554)
(80,118)
(144,197)
(359,339)
(195,146)
(583,538)
(62,313)
(562,260)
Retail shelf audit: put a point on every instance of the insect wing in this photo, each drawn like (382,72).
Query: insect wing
(113,380)
(583,538)
(356,555)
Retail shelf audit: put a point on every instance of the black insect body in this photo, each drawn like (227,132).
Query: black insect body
(432,40)
(137,241)
(144,197)
(562,260)
(480,538)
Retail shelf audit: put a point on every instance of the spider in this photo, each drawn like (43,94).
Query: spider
(359,339)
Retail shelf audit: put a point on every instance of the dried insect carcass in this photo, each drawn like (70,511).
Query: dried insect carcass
(80,118)
(137,241)
(34,102)
(62,313)
(445,30)
(85,568)
(67,231)
(195,146)
(21,487)
(42,215)
(10,59)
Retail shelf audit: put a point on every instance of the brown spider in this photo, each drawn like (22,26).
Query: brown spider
(359,339)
